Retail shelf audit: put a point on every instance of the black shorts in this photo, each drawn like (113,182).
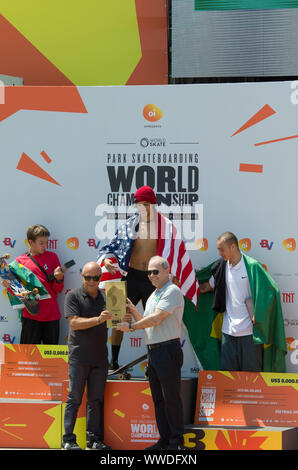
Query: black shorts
(139,286)
(38,332)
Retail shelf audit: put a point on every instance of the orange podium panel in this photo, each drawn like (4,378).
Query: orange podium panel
(35,425)
(129,418)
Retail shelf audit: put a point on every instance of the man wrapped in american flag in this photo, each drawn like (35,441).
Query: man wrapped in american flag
(126,257)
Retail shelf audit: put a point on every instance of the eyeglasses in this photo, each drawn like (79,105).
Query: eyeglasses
(153,271)
(94,278)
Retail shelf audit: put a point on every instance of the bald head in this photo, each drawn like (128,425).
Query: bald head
(91,269)
(91,274)
(158,271)
(160,261)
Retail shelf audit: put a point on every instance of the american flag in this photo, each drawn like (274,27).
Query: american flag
(169,245)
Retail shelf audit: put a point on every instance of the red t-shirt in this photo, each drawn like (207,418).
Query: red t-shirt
(48,308)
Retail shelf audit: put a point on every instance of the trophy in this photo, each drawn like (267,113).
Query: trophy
(115,301)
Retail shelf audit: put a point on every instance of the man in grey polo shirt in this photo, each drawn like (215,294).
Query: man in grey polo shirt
(161,322)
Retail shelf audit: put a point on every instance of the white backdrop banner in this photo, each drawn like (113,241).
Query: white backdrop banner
(219,157)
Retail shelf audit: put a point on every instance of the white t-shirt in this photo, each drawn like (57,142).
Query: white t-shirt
(236,321)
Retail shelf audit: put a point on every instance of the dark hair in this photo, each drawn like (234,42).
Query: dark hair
(37,230)
(229,238)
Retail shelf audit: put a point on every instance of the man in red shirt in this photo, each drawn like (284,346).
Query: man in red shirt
(43,327)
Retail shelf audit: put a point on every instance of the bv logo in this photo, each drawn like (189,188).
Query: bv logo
(266,244)
(9,242)
(152,113)
(245,244)
(289,244)
(72,243)
(92,242)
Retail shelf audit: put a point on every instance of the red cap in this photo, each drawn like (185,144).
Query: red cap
(145,193)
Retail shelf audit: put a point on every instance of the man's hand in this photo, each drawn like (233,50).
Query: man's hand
(108,264)
(105,315)
(130,306)
(205,287)
(124,326)
(83,323)
(127,318)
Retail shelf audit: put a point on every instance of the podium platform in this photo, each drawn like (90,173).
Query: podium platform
(129,418)
(236,438)
(222,410)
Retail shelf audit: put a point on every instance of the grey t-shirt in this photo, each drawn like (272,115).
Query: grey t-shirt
(169,299)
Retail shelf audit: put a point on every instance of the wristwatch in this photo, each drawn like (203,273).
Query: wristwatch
(130,328)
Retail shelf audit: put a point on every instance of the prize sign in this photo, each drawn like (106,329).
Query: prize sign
(247,399)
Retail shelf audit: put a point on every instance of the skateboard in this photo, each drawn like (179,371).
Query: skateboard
(26,297)
(122,372)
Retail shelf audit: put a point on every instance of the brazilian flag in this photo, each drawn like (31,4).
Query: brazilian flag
(28,279)
(204,326)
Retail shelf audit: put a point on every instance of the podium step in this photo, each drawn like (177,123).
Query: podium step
(240,438)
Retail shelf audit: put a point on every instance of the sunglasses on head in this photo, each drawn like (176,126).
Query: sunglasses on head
(152,271)
(94,278)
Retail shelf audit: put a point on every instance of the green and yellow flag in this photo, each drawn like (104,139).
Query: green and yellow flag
(204,326)
(269,327)
(28,279)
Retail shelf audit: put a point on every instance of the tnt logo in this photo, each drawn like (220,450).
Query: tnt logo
(9,242)
(52,244)
(135,342)
(288,297)
(245,244)
(266,244)
(289,244)
(152,113)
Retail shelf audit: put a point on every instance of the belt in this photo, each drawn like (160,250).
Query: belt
(163,343)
